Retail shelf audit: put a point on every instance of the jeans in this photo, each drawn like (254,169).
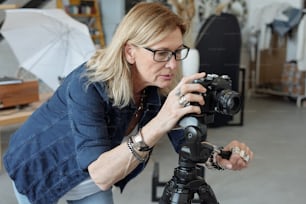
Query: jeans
(101,197)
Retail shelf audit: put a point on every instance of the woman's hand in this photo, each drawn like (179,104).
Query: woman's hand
(240,158)
(178,101)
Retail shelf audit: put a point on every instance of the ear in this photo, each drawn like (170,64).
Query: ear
(129,53)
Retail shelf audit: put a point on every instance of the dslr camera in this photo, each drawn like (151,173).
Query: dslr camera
(188,177)
(219,98)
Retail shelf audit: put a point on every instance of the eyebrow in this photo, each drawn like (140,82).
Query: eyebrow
(167,49)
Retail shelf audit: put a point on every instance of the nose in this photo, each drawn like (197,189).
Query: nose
(172,63)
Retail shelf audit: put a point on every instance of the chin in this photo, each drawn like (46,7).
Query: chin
(164,85)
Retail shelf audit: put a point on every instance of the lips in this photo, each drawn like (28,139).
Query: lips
(166,76)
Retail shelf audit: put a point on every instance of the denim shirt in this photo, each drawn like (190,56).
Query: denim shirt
(49,154)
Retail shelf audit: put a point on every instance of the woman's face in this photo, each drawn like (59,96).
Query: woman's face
(148,72)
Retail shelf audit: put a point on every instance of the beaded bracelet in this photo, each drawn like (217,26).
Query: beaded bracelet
(135,154)
(212,163)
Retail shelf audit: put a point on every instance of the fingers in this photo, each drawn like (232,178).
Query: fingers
(239,148)
(187,92)
(241,155)
(237,162)
(184,100)
(189,79)
(186,86)
(179,101)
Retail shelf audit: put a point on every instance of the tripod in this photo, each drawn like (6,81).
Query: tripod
(186,180)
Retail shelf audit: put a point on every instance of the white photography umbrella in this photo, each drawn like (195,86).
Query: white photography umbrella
(47,42)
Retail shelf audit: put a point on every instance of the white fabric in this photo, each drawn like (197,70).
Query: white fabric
(50,46)
(301,45)
(291,52)
(260,33)
(265,16)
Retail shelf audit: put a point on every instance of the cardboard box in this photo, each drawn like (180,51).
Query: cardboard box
(293,80)
(18,94)
(272,62)
(294,90)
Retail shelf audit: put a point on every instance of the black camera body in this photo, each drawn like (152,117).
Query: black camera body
(219,97)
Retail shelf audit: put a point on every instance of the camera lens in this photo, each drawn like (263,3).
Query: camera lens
(228,102)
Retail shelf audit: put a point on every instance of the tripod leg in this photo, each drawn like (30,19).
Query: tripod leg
(176,194)
(165,198)
(207,195)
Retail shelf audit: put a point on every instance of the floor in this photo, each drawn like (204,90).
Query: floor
(275,130)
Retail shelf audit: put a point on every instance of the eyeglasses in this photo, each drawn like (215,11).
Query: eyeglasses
(165,55)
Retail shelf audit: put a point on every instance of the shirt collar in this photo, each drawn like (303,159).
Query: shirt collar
(153,97)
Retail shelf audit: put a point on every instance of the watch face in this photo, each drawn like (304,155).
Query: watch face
(139,144)
(137,139)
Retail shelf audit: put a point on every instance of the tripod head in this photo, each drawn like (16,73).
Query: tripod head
(193,150)
(186,180)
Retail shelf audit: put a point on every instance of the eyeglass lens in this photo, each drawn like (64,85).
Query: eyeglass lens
(165,55)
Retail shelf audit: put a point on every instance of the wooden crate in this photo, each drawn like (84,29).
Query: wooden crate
(18,94)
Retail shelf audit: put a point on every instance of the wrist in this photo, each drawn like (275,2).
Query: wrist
(138,142)
(214,158)
(140,156)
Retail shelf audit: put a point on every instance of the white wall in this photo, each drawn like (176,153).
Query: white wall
(112,13)
(255,4)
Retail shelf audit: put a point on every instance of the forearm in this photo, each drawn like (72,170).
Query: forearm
(114,165)
(153,131)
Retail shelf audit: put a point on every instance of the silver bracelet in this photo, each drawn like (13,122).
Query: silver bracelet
(139,144)
(133,151)
(212,163)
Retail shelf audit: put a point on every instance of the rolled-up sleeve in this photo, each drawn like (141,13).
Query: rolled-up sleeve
(86,112)
(177,139)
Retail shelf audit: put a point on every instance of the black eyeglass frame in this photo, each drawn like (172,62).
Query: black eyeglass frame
(169,51)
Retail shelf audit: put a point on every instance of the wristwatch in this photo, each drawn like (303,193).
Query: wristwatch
(139,144)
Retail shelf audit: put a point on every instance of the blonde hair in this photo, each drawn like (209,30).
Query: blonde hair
(144,25)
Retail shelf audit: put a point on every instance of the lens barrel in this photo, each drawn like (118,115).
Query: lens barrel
(228,102)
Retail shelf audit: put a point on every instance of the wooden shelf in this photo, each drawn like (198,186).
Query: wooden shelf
(87,12)
(8,6)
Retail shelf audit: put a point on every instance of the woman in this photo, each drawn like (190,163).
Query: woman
(99,127)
